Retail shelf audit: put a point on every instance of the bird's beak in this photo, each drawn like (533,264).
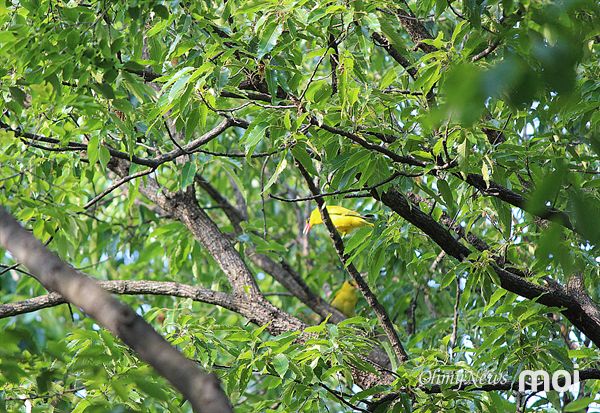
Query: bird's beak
(306,228)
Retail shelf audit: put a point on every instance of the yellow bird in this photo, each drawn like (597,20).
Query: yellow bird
(345,220)
(346,298)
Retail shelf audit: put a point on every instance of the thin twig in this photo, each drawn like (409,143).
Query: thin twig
(116,185)
(345,191)
(408,160)
(45,396)
(312,76)
(172,138)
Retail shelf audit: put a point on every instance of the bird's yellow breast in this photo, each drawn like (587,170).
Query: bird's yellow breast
(345,300)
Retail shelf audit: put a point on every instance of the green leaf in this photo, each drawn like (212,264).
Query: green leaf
(281,364)
(105,89)
(448,278)
(280,167)
(253,136)
(580,404)
(81,406)
(492,321)
(485,172)
(187,174)
(446,192)
(362,395)
(177,89)
(158,27)
(299,152)
(269,38)
(498,294)
(93,148)
(104,156)
(358,238)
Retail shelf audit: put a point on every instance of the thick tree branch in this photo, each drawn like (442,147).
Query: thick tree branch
(582,313)
(184,207)
(250,302)
(415,29)
(201,389)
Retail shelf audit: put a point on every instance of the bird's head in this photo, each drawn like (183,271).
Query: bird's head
(315,218)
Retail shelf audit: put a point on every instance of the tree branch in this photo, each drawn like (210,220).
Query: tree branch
(201,389)
(151,162)
(382,41)
(126,287)
(408,160)
(514,199)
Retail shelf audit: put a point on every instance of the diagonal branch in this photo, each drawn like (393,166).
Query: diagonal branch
(381,40)
(382,316)
(252,304)
(116,185)
(201,389)
(184,207)
(407,160)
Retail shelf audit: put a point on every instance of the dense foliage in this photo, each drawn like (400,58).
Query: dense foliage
(449,104)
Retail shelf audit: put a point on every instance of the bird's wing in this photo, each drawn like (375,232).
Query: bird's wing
(341,211)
